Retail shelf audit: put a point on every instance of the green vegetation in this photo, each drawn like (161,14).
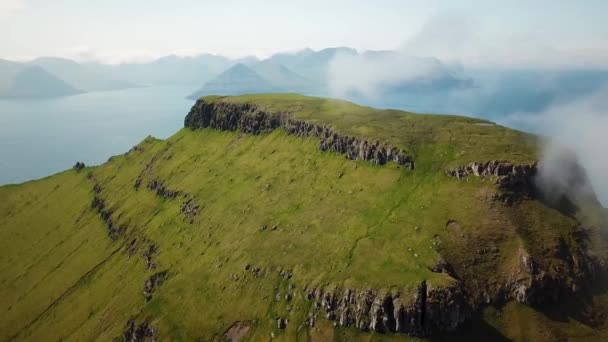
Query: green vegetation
(435,140)
(338,223)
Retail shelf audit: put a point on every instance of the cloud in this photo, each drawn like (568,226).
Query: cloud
(368,73)
(577,127)
(456,36)
(8,7)
(85,53)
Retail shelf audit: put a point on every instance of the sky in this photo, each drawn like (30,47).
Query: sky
(487,32)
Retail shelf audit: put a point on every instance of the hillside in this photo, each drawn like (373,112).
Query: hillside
(287,217)
(168,70)
(281,77)
(239,79)
(19,81)
(79,76)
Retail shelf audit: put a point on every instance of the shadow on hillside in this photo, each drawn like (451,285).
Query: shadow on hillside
(475,329)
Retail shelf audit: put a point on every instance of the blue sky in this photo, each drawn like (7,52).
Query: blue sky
(477,32)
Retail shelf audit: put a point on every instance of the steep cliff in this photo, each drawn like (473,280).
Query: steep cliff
(250,119)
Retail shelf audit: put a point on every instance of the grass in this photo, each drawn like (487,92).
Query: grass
(433,139)
(340,223)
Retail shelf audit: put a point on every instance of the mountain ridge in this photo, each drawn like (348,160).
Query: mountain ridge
(257,212)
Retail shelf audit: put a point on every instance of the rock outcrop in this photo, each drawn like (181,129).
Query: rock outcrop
(535,282)
(428,310)
(138,332)
(158,186)
(515,180)
(248,118)
(114,230)
(78,166)
(152,283)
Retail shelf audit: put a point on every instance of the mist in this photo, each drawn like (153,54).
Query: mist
(370,74)
(578,127)
(519,81)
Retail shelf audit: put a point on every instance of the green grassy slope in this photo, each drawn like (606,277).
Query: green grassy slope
(433,139)
(339,223)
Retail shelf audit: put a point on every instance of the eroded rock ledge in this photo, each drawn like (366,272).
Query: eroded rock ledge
(428,310)
(250,119)
(509,176)
(516,179)
(114,230)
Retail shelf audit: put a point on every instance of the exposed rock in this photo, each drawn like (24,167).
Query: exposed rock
(152,283)
(158,186)
(250,119)
(281,323)
(189,208)
(516,181)
(148,255)
(430,310)
(114,230)
(139,332)
(78,166)
(137,183)
(531,282)
(131,247)
(285,274)
(442,266)
(237,331)
(97,189)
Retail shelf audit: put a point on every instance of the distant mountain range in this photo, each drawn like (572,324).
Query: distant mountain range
(336,72)
(31,81)
(305,72)
(52,77)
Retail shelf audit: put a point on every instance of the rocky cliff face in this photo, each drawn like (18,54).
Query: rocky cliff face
(248,118)
(428,310)
(514,180)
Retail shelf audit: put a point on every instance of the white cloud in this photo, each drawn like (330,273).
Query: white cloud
(580,127)
(8,7)
(455,36)
(368,73)
(87,54)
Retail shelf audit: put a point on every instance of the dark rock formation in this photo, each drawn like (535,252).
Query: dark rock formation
(78,166)
(137,183)
(281,323)
(535,283)
(98,204)
(158,186)
(189,208)
(429,310)
(516,181)
(250,119)
(148,255)
(152,283)
(139,332)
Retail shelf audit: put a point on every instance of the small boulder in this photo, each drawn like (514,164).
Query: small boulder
(78,166)
(281,323)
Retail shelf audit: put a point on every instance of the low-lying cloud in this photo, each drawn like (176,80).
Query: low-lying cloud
(577,127)
(8,7)
(368,74)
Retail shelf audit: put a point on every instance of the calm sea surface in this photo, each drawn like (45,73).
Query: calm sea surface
(42,137)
